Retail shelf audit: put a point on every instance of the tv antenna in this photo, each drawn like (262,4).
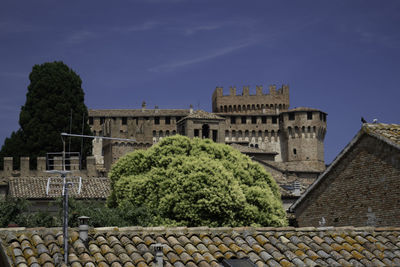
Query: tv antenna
(65,183)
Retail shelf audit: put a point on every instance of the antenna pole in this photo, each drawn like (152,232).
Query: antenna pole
(65,226)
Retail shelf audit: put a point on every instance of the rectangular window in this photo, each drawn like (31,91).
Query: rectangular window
(167,120)
(244,120)
(264,119)
(124,120)
(90,120)
(196,133)
(274,119)
(291,116)
(253,119)
(102,119)
(233,120)
(309,115)
(156,120)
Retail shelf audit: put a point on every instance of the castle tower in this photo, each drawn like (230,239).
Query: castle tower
(303,136)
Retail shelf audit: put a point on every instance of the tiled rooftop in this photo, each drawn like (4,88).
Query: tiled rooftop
(303,109)
(201,114)
(204,246)
(137,112)
(35,188)
(247,149)
(388,131)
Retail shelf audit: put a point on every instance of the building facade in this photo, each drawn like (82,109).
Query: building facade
(360,187)
(262,121)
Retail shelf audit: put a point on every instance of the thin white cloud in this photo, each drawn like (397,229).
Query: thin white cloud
(80,37)
(15,27)
(195,29)
(187,62)
(145,26)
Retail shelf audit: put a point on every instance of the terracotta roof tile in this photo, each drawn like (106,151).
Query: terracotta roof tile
(390,132)
(204,247)
(35,188)
(201,114)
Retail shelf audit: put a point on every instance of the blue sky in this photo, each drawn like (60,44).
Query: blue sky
(342,57)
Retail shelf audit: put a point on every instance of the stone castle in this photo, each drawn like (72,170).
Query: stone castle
(288,142)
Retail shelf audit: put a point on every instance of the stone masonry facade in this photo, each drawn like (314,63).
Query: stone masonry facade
(263,121)
(361,189)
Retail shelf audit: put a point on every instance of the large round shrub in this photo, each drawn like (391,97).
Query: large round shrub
(196,182)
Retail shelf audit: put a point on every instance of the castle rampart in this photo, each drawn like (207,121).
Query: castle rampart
(275,100)
(92,169)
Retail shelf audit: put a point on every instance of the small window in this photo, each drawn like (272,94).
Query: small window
(167,120)
(274,119)
(291,116)
(264,119)
(233,120)
(253,119)
(244,120)
(196,133)
(309,115)
(294,151)
(124,120)
(156,120)
(90,120)
(102,119)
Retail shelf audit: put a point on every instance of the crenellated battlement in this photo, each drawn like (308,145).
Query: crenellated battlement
(284,89)
(92,169)
(245,102)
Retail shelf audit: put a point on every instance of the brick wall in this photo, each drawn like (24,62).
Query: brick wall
(362,189)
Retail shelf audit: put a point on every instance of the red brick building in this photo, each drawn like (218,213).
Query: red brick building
(362,185)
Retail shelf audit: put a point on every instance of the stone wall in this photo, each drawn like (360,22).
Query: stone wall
(362,189)
(276,99)
(91,170)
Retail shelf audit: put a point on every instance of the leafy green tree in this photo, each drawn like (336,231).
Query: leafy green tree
(196,182)
(53,94)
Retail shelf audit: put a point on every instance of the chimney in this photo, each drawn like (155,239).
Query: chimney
(191,109)
(296,189)
(158,260)
(143,105)
(83,229)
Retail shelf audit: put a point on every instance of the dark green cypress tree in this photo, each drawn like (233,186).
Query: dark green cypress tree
(54,93)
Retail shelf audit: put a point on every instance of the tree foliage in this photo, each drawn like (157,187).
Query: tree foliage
(18,212)
(196,182)
(53,93)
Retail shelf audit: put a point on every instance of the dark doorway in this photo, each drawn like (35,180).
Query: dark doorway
(205,131)
(215,135)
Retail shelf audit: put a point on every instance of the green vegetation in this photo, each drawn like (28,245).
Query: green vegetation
(53,93)
(195,182)
(16,211)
